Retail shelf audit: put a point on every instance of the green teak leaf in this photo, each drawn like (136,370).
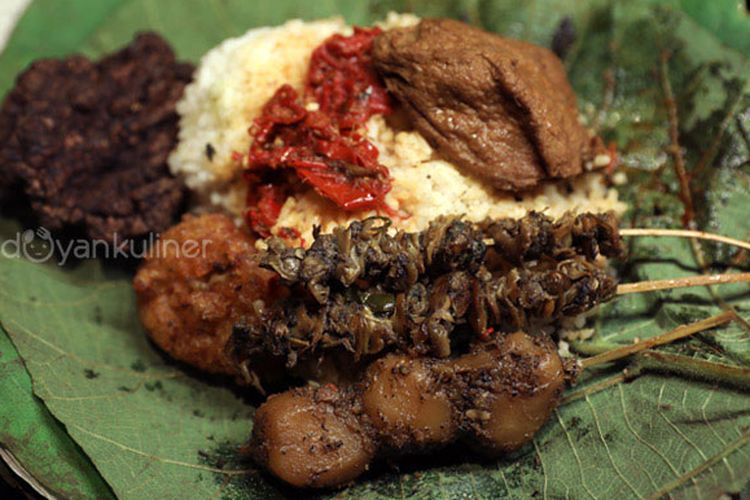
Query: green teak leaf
(38,441)
(150,428)
(153,429)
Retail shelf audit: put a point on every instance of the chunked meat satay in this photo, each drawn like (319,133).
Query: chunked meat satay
(495,398)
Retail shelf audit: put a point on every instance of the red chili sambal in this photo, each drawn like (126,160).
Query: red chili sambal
(343,81)
(321,143)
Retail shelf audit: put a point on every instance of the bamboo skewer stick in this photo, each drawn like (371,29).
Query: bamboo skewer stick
(680,332)
(687,282)
(697,251)
(685,233)
(643,348)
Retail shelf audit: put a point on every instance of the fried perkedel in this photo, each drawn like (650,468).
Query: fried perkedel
(367,251)
(447,289)
(188,300)
(86,142)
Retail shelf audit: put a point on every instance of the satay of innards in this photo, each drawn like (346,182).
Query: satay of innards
(429,317)
(494,398)
(365,291)
(367,251)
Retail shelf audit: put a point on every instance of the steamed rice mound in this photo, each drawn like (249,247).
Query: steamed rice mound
(235,80)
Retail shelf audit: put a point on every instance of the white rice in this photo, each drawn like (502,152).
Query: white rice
(231,85)
(236,78)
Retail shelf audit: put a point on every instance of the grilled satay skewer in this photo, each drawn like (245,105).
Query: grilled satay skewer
(494,398)
(422,320)
(366,250)
(189,305)
(365,291)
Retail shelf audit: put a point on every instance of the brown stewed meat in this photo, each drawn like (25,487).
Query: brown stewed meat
(494,398)
(87,142)
(501,109)
(312,438)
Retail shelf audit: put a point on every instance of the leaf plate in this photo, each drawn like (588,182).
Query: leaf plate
(147,427)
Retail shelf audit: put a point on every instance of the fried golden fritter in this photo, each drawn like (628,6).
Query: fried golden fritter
(200,279)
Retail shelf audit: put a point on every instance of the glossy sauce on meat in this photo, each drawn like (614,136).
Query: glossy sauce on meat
(499,108)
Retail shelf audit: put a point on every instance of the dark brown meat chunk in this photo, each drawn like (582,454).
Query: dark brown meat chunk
(505,393)
(312,438)
(501,109)
(87,142)
(408,403)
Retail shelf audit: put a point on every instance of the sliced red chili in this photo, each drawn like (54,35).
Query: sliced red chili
(487,333)
(264,206)
(323,147)
(343,80)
